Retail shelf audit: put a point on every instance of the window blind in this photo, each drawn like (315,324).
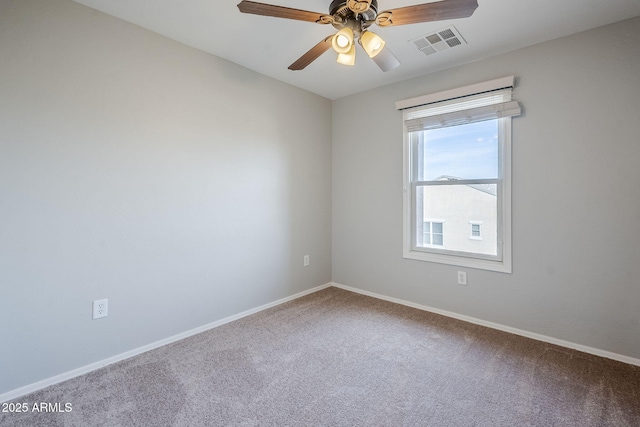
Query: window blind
(464,108)
(461,117)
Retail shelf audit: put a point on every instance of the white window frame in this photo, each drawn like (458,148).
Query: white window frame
(503,261)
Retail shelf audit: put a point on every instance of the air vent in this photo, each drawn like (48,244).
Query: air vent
(443,39)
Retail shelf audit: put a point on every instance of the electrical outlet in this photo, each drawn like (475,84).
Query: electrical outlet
(462,278)
(100,308)
(306,260)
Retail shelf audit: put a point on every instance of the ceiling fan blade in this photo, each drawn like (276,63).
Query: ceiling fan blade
(437,11)
(283,12)
(386,60)
(312,54)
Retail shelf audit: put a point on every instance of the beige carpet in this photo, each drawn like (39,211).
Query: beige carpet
(335,358)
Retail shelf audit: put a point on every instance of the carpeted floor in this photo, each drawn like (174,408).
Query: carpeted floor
(335,358)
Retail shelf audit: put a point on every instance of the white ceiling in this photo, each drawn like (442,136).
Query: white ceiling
(269,45)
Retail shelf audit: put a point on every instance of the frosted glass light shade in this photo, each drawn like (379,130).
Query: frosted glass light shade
(348,58)
(371,43)
(342,42)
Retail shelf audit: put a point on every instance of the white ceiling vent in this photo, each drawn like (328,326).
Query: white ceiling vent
(440,40)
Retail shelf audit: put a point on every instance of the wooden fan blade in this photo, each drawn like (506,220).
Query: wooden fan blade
(312,54)
(283,12)
(437,11)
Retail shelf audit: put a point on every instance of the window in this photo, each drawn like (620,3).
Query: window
(432,233)
(475,230)
(457,169)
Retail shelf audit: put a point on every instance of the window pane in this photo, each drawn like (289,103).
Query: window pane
(437,239)
(456,205)
(459,152)
(437,227)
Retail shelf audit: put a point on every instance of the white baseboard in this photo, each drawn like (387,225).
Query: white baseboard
(13,394)
(527,334)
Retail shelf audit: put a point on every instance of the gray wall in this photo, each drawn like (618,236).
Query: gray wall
(576,194)
(180,186)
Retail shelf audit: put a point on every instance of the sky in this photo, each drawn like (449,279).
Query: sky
(466,151)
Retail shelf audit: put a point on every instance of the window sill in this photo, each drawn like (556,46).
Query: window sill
(480,264)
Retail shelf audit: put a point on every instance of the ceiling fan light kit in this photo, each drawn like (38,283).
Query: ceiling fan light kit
(348,58)
(352,18)
(371,43)
(342,41)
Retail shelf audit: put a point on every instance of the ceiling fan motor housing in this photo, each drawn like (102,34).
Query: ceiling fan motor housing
(339,8)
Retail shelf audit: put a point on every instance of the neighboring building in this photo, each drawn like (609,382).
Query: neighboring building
(459,217)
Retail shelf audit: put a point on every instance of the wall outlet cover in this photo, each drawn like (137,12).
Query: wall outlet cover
(100,308)
(462,277)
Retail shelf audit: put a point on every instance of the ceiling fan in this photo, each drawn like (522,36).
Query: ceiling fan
(352,18)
